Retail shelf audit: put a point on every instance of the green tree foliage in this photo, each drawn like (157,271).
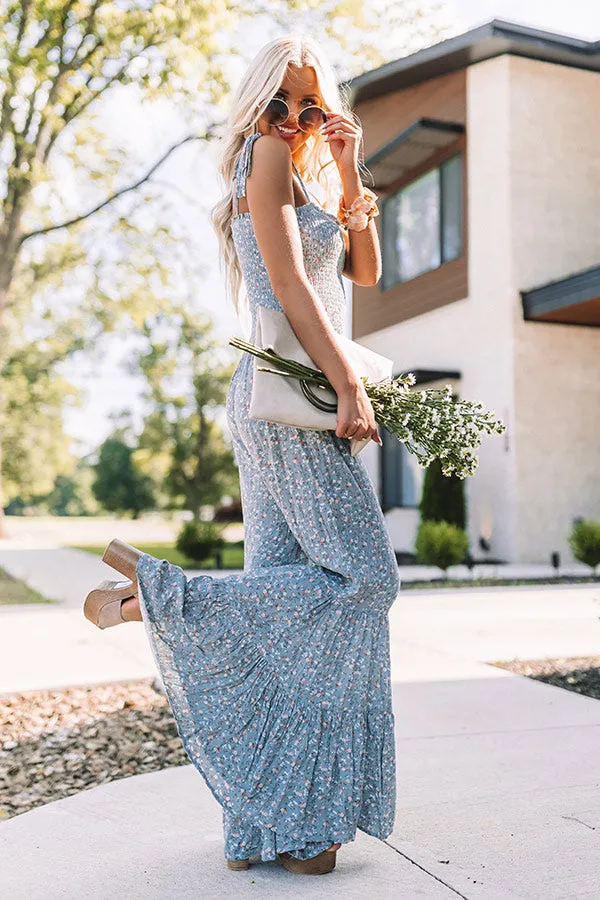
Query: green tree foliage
(80,255)
(182,444)
(119,486)
(440,544)
(36,449)
(72,495)
(442,497)
(584,542)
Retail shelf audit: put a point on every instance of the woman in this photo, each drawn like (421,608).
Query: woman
(279,678)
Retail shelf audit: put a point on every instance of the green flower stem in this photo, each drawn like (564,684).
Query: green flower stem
(430,423)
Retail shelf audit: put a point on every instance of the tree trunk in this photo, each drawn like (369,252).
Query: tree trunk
(8,257)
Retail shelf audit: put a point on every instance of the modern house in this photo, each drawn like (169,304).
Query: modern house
(485,154)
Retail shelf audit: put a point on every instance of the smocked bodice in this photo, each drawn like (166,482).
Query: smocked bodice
(322,247)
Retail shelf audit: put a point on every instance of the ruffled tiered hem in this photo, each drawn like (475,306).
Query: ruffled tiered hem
(291,772)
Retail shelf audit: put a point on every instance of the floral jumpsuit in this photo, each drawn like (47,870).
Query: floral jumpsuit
(279,677)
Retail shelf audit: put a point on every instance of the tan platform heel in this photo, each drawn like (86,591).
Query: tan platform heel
(102,606)
(122,557)
(238,864)
(317,865)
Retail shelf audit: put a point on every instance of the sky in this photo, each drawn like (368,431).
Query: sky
(107,388)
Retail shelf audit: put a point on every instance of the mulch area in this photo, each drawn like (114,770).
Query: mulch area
(57,743)
(576,673)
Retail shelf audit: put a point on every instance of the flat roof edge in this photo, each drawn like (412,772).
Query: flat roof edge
(493,38)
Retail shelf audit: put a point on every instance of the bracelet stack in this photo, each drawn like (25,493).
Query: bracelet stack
(361,211)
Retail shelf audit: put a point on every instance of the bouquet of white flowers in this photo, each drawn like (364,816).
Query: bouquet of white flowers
(429,422)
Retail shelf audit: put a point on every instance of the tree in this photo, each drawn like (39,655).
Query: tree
(71,495)
(119,487)
(442,497)
(36,450)
(61,60)
(187,374)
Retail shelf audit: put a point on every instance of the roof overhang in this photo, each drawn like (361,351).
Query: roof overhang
(574,300)
(494,38)
(411,148)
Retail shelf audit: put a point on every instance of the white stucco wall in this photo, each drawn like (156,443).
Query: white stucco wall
(533,143)
(555,202)
(474,335)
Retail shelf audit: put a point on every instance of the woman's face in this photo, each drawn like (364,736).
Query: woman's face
(298,89)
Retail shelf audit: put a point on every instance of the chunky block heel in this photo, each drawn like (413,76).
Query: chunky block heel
(238,864)
(122,557)
(102,606)
(317,865)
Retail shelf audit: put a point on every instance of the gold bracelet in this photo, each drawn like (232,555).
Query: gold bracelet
(361,211)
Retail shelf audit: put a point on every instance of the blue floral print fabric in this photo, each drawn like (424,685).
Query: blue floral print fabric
(279,677)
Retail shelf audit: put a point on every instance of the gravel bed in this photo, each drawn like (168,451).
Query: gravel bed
(57,743)
(573,673)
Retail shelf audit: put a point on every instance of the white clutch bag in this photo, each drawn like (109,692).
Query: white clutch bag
(289,401)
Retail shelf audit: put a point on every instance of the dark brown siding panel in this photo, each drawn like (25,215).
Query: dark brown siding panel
(373,309)
(382,119)
(385,117)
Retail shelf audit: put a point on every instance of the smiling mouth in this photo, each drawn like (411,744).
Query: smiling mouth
(286,131)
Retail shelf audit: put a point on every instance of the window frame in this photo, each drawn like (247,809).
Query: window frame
(393,441)
(436,161)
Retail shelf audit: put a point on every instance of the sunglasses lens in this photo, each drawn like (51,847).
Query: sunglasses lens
(311,117)
(276,112)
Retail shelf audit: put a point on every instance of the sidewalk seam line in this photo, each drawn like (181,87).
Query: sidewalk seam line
(427,872)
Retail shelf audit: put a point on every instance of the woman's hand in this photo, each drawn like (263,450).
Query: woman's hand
(355,416)
(343,134)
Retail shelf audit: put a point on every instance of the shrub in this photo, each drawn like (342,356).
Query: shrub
(198,540)
(232,512)
(440,544)
(584,541)
(442,496)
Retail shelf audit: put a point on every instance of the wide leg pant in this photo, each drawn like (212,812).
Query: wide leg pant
(279,678)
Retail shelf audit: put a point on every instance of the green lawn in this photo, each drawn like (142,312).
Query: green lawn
(233,554)
(14,591)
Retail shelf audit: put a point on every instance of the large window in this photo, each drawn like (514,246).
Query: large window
(422,224)
(401,474)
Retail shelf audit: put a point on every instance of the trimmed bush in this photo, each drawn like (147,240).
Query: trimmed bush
(230,513)
(584,541)
(198,540)
(441,544)
(442,496)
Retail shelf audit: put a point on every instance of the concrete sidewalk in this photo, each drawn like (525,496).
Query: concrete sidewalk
(497,798)
(497,774)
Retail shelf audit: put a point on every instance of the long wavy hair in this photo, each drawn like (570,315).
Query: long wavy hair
(261,81)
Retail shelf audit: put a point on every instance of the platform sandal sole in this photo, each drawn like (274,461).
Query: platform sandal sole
(102,605)
(317,865)
(238,864)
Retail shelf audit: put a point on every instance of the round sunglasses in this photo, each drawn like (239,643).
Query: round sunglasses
(311,117)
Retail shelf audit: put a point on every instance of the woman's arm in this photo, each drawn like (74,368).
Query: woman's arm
(270,198)
(363,253)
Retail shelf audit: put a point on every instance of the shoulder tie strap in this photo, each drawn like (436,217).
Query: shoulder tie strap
(242,168)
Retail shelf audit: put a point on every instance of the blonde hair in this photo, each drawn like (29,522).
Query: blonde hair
(261,80)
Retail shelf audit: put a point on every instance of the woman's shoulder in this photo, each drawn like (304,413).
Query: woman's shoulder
(272,151)
(271,148)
